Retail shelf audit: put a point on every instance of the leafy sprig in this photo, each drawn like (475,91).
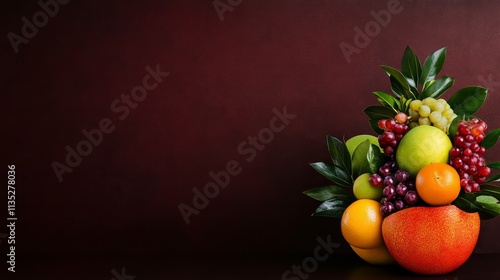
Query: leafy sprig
(342,171)
(414,81)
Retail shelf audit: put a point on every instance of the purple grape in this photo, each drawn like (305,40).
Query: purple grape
(376,180)
(389,150)
(399,204)
(401,176)
(387,209)
(393,165)
(384,170)
(411,197)
(401,189)
(388,180)
(389,192)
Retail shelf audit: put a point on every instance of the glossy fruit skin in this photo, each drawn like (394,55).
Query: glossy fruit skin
(376,256)
(361,224)
(438,184)
(431,240)
(421,146)
(363,189)
(353,142)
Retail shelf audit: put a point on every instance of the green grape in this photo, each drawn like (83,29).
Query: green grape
(414,114)
(438,107)
(443,103)
(415,104)
(431,111)
(448,113)
(435,116)
(441,123)
(424,121)
(429,101)
(424,111)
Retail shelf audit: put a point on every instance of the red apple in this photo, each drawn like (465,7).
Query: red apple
(431,240)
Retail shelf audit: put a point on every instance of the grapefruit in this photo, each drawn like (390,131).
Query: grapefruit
(431,240)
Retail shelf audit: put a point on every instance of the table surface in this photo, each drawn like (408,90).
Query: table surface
(336,267)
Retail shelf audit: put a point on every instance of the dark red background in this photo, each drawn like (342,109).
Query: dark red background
(225,79)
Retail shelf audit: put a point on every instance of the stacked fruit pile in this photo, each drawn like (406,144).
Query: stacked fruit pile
(424,173)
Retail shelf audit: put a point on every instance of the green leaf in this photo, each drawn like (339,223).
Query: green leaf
(490,190)
(468,100)
(333,173)
(334,207)
(366,158)
(397,88)
(405,104)
(489,202)
(495,165)
(432,65)
(411,67)
(428,84)
(491,139)
(453,128)
(413,92)
(325,193)
(398,81)
(466,202)
(339,153)
(379,112)
(437,88)
(493,178)
(387,100)
(397,75)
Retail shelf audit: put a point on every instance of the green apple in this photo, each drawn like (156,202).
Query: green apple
(353,142)
(363,189)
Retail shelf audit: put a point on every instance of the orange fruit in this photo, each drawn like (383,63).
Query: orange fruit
(438,184)
(377,256)
(361,224)
(431,240)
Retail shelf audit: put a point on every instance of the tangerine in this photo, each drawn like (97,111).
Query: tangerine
(377,256)
(438,184)
(361,224)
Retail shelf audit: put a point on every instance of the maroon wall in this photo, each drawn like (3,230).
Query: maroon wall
(228,77)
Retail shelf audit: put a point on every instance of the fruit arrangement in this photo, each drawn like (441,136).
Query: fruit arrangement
(424,172)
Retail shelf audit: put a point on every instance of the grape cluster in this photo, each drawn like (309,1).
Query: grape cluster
(430,111)
(399,191)
(394,130)
(466,156)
